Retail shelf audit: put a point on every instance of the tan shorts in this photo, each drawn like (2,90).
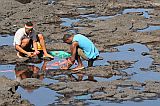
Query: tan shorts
(82,54)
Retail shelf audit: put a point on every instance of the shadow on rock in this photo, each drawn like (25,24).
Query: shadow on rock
(24,1)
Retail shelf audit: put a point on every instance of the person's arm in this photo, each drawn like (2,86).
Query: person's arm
(17,41)
(23,51)
(35,47)
(35,39)
(73,51)
(72,59)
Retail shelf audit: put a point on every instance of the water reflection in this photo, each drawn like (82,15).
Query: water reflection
(39,96)
(81,77)
(24,71)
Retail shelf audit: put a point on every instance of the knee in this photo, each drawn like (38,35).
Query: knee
(25,42)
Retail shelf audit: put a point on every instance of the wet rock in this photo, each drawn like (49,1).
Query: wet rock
(101,71)
(112,50)
(58,46)
(8,55)
(31,83)
(127,83)
(8,85)
(8,95)
(102,96)
(152,86)
(104,33)
(120,65)
(68,100)
(58,86)
(145,53)
(114,90)
(131,49)
(123,95)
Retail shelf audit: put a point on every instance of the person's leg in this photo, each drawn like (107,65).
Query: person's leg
(82,54)
(78,55)
(42,42)
(91,78)
(80,77)
(90,62)
(80,64)
(25,44)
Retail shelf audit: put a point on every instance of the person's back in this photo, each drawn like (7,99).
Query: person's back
(18,36)
(86,45)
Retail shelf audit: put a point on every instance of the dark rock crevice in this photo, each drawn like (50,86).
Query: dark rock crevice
(24,1)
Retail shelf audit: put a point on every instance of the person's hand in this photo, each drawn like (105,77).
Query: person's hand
(30,54)
(71,60)
(36,52)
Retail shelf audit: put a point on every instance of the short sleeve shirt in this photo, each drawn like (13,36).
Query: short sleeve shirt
(21,34)
(86,45)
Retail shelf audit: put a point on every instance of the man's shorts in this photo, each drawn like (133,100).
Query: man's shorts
(82,54)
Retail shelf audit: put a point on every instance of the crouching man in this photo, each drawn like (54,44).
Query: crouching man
(25,38)
(81,46)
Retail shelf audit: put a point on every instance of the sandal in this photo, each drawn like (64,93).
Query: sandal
(80,68)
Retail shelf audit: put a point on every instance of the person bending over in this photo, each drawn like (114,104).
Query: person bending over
(81,46)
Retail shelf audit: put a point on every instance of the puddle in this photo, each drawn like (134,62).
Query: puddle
(39,97)
(44,96)
(24,1)
(97,17)
(68,21)
(83,97)
(142,10)
(50,2)
(85,7)
(125,54)
(8,71)
(6,40)
(82,8)
(149,29)
(125,103)
(141,61)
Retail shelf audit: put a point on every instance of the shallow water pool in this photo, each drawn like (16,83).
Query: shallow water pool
(44,96)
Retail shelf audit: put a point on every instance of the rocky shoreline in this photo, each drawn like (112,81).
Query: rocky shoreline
(116,30)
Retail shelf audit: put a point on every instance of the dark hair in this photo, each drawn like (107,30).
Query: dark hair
(66,36)
(29,23)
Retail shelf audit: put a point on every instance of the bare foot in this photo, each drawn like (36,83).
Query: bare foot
(64,68)
(48,55)
(19,55)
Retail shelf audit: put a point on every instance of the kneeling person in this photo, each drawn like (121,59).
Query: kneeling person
(25,38)
(81,46)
